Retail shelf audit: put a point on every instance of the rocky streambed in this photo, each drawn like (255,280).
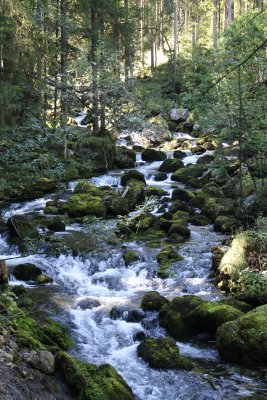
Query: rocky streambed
(107,267)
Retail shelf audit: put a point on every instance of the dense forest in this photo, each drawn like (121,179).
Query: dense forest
(133,199)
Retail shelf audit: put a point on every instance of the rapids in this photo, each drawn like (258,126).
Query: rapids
(103,276)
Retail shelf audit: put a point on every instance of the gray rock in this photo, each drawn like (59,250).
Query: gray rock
(179,114)
(88,304)
(42,360)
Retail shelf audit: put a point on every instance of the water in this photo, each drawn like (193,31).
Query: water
(103,276)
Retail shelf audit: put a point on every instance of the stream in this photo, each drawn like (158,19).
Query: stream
(103,277)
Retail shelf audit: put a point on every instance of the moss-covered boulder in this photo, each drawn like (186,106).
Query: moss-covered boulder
(23,227)
(151,155)
(239,305)
(245,339)
(153,301)
(190,171)
(199,220)
(199,200)
(171,165)
(43,279)
(88,381)
(161,176)
(198,150)
(214,207)
(175,323)
(80,205)
(180,228)
(165,258)
(135,193)
(181,194)
(26,272)
(225,224)
(163,354)
(209,315)
(130,257)
(178,154)
(114,202)
(155,191)
(85,187)
(132,175)
(206,159)
(179,205)
(124,157)
(56,224)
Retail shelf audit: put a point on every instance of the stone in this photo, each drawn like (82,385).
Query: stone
(43,279)
(198,150)
(88,304)
(132,175)
(179,114)
(153,301)
(125,157)
(42,360)
(181,194)
(171,165)
(26,272)
(151,155)
(161,176)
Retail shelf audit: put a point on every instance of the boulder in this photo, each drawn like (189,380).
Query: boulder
(56,225)
(88,304)
(130,175)
(190,171)
(180,228)
(23,227)
(26,272)
(171,165)
(130,257)
(163,354)
(244,340)
(42,360)
(179,114)
(135,193)
(125,158)
(165,258)
(115,203)
(225,224)
(179,205)
(80,205)
(153,301)
(181,194)
(199,220)
(155,191)
(88,381)
(198,150)
(178,154)
(43,279)
(151,155)
(127,314)
(161,176)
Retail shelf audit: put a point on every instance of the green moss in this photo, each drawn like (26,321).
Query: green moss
(135,194)
(54,335)
(239,305)
(225,224)
(245,339)
(165,258)
(175,323)
(171,165)
(155,191)
(153,301)
(179,227)
(115,203)
(163,354)
(42,279)
(87,381)
(190,171)
(88,188)
(130,256)
(125,158)
(80,205)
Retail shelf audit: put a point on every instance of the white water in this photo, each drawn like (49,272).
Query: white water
(103,276)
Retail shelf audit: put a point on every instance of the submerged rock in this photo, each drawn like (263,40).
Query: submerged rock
(163,354)
(153,301)
(88,304)
(245,340)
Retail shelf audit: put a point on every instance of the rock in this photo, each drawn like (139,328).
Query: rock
(42,360)
(126,313)
(88,304)
(153,301)
(22,226)
(138,148)
(225,224)
(26,272)
(135,193)
(125,158)
(206,159)
(132,175)
(199,220)
(85,187)
(155,191)
(80,205)
(213,207)
(130,257)
(198,150)
(165,258)
(179,205)
(181,194)
(19,290)
(56,225)
(199,200)
(161,176)
(190,171)
(239,305)
(88,381)
(139,336)
(171,165)
(43,279)
(179,114)
(181,229)
(232,187)
(244,340)
(115,203)
(151,155)
(178,154)
(163,354)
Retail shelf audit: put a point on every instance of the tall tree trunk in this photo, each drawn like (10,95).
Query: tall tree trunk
(215,23)
(229,11)
(94,41)
(56,67)
(142,33)
(127,45)
(63,62)
(102,80)
(175,38)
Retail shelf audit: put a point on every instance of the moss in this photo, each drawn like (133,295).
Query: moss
(135,194)
(245,339)
(153,301)
(181,216)
(153,155)
(225,224)
(51,210)
(125,158)
(155,191)
(54,335)
(130,257)
(185,304)
(190,171)
(132,175)
(179,205)
(179,227)
(214,207)
(79,205)
(239,305)
(199,220)
(171,165)
(163,354)
(181,194)
(175,323)
(165,258)
(22,227)
(115,203)
(88,188)
(42,279)
(199,200)
(89,382)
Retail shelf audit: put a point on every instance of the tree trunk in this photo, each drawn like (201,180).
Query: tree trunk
(63,62)
(94,41)
(175,38)
(215,23)
(3,273)
(56,72)
(102,83)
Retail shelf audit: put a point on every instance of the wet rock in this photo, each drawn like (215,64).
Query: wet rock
(179,205)
(161,176)
(22,226)
(57,225)
(181,229)
(150,323)
(217,255)
(171,165)
(199,220)
(162,354)
(151,155)
(239,305)
(181,194)
(153,301)
(88,304)
(213,207)
(130,257)
(139,336)
(132,175)
(88,381)
(26,272)
(19,290)
(80,205)
(206,159)
(135,193)
(115,203)
(198,150)
(43,279)
(42,360)
(190,171)
(244,340)
(178,154)
(125,158)
(126,313)
(165,258)
(155,191)
(138,148)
